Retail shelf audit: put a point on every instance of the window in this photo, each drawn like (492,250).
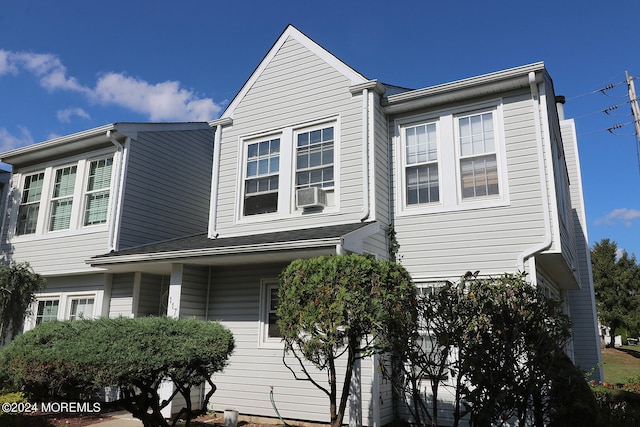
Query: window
(261,182)
(81,308)
(478,161)
(421,160)
(62,198)
(269,333)
(450,161)
(314,158)
(47,311)
(30,204)
(272,307)
(97,194)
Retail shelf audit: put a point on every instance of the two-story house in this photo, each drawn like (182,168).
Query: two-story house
(310,158)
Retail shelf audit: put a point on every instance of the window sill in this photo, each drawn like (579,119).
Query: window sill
(461,206)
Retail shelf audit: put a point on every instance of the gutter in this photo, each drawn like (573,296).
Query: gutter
(485,85)
(546,243)
(202,252)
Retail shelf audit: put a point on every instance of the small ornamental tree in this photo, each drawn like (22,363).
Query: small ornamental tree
(342,305)
(77,359)
(18,284)
(500,340)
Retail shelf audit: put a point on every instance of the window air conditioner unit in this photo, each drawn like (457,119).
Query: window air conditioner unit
(312,197)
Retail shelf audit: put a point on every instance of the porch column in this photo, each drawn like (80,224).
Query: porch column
(173,310)
(175,291)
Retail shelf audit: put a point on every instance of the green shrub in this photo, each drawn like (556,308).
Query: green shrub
(14,397)
(77,359)
(618,407)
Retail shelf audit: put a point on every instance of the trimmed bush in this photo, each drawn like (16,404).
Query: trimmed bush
(77,359)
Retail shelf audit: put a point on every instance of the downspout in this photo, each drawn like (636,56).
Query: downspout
(546,243)
(365,155)
(213,233)
(115,224)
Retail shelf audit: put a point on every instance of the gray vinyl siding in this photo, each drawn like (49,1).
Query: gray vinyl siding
(121,296)
(296,87)
(79,283)
(53,255)
(153,295)
(167,187)
(447,244)
(586,339)
(245,383)
(194,291)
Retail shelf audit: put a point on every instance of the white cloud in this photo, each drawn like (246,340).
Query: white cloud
(66,114)
(9,141)
(6,66)
(47,67)
(622,215)
(166,101)
(160,101)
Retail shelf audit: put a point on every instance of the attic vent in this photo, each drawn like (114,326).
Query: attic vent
(312,197)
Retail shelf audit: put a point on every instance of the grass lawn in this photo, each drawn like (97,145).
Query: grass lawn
(621,363)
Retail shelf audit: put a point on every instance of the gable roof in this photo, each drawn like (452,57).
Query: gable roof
(292,32)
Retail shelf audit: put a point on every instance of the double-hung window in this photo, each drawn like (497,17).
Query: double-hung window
(97,192)
(30,204)
(62,198)
(314,158)
(262,177)
(421,164)
(478,160)
(81,308)
(47,311)
(452,160)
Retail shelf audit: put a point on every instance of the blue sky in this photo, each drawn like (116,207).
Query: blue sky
(68,66)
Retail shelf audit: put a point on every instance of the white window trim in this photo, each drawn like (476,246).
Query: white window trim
(263,339)
(76,225)
(402,157)
(64,306)
(448,161)
(287,172)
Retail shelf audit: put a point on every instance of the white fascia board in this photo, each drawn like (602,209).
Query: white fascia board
(353,76)
(56,143)
(484,85)
(204,252)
